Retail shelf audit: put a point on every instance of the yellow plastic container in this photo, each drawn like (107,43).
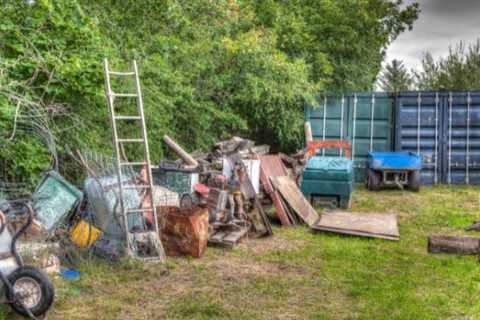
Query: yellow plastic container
(82,232)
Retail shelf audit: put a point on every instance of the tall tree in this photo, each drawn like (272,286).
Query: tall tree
(395,77)
(459,70)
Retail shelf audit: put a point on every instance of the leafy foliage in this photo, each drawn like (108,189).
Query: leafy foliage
(209,69)
(395,77)
(459,70)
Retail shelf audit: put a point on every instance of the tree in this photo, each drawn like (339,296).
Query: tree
(459,70)
(395,77)
(343,42)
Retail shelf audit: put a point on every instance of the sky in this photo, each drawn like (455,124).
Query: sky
(442,23)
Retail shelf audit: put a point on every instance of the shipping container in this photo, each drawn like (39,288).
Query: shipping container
(444,128)
(364,119)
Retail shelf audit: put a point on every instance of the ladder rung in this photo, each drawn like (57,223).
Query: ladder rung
(130,140)
(124,95)
(141,210)
(128,118)
(117,73)
(133,163)
(138,186)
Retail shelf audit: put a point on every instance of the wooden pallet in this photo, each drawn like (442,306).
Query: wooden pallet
(227,238)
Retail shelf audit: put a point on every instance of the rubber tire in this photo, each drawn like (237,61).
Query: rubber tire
(374,182)
(46,286)
(414,178)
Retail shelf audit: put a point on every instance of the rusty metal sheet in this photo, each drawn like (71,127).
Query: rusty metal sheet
(295,199)
(375,225)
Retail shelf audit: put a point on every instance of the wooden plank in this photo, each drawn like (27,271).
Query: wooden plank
(279,208)
(295,199)
(217,237)
(454,245)
(234,236)
(376,225)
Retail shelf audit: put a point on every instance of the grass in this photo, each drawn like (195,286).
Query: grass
(300,275)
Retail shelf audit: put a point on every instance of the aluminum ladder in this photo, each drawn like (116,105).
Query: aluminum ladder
(122,162)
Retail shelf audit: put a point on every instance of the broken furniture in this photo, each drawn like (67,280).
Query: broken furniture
(328,177)
(142,241)
(374,225)
(184,231)
(28,290)
(454,245)
(227,237)
(393,168)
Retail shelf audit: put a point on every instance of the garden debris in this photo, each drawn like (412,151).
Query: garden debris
(183,231)
(374,225)
(227,237)
(295,200)
(185,156)
(454,245)
(475,226)
(272,166)
(51,264)
(53,199)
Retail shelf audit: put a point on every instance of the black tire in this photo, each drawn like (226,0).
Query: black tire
(44,284)
(414,180)
(374,181)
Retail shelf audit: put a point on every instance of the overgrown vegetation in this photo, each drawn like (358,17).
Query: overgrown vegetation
(209,69)
(298,274)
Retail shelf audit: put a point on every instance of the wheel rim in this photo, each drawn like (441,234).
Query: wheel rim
(28,290)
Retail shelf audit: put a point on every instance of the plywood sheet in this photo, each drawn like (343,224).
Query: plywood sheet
(295,199)
(375,225)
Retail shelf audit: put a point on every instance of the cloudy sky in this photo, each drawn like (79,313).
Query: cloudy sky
(442,23)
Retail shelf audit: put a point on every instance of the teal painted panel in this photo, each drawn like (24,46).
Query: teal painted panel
(364,119)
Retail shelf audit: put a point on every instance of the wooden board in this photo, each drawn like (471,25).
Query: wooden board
(227,238)
(454,245)
(375,225)
(295,199)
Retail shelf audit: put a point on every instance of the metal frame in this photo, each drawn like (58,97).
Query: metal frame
(342,108)
(372,121)
(355,101)
(419,113)
(324,120)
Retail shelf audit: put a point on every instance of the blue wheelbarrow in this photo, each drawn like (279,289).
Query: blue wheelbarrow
(401,169)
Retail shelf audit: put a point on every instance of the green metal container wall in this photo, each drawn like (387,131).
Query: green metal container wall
(364,119)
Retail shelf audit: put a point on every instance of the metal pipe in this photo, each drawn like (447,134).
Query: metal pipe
(341,121)
(180,152)
(308,132)
(354,125)
(372,120)
(324,120)
(450,105)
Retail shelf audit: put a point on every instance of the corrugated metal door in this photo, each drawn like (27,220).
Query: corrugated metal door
(370,127)
(419,128)
(445,129)
(462,132)
(364,119)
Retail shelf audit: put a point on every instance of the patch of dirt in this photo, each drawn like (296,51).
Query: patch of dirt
(264,245)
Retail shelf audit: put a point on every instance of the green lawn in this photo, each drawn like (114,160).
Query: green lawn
(300,275)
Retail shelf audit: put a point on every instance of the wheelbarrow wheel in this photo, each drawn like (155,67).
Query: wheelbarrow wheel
(373,180)
(34,288)
(414,180)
